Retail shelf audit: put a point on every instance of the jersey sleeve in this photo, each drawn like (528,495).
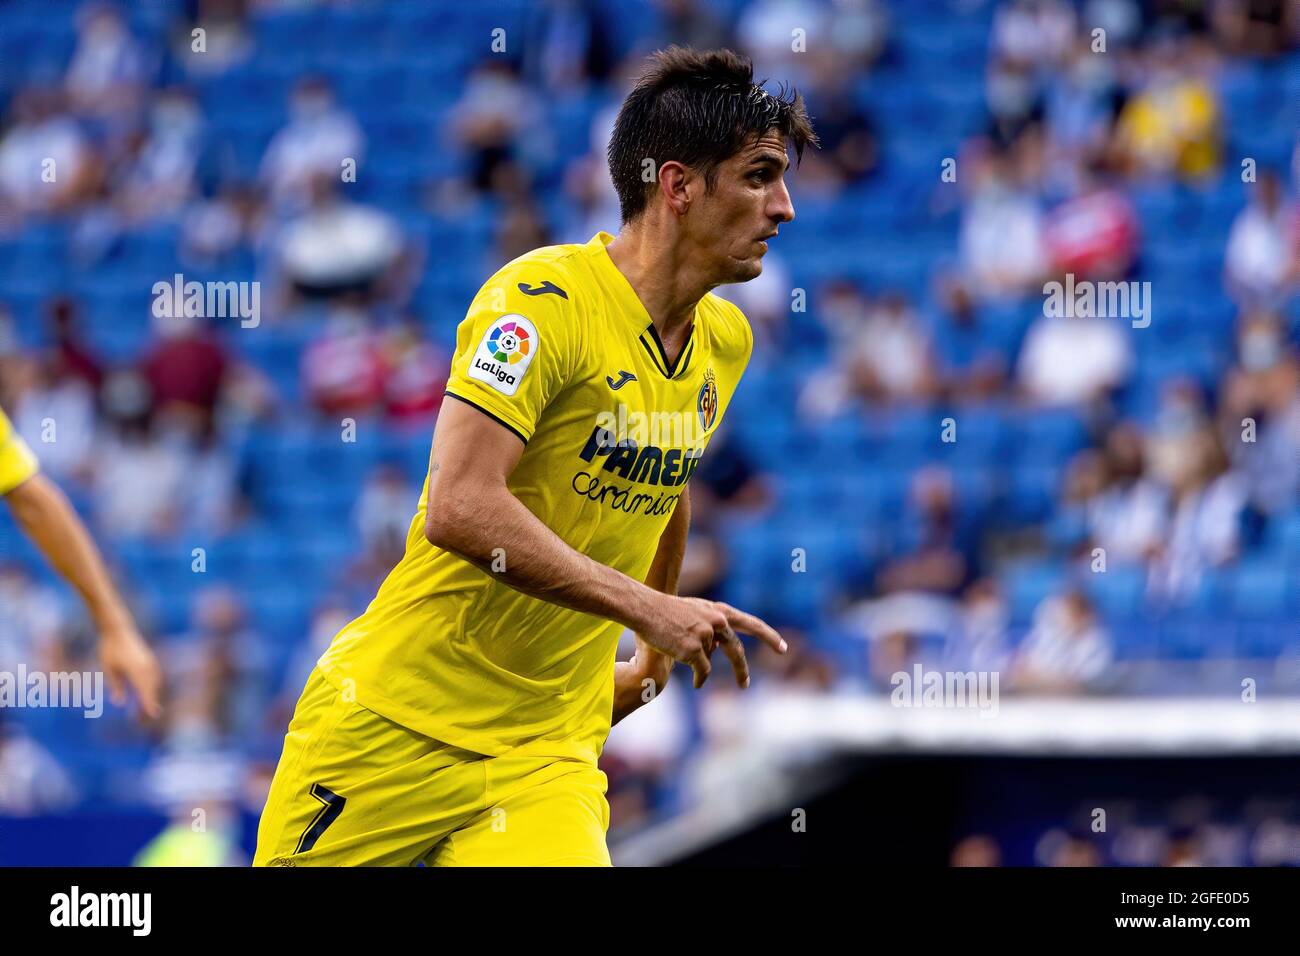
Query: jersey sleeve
(741,338)
(17,463)
(516,348)
(747,334)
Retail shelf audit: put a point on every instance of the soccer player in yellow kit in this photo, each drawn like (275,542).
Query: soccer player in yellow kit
(459,720)
(45,516)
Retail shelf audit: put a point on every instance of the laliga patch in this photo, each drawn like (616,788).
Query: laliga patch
(507,349)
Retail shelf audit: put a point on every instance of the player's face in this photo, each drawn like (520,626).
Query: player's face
(748,202)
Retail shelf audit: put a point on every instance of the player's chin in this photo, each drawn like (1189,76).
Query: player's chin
(747,268)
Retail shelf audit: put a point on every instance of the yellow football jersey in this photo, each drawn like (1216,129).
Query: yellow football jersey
(558,348)
(17,463)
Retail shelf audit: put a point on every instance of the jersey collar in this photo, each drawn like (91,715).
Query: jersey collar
(630,305)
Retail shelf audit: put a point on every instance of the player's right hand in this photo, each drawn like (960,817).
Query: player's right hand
(687,630)
(129,663)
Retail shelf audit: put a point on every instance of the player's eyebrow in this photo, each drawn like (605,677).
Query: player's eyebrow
(770,159)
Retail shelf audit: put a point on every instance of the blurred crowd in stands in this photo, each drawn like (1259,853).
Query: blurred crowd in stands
(1194,830)
(1081,128)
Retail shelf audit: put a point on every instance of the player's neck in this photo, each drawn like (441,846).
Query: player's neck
(666,283)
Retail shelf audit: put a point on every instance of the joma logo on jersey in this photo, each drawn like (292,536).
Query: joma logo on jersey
(648,464)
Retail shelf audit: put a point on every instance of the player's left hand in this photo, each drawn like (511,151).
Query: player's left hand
(648,662)
(128,662)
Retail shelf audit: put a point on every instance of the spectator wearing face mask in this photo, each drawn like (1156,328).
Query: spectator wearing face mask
(317,139)
(161,174)
(105,78)
(1261,400)
(1002,248)
(218,673)
(495,115)
(139,478)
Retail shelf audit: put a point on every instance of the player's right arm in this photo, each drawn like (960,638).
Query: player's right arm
(498,389)
(49,521)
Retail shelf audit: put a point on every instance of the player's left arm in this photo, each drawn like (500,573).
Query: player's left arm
(640,679)
(47,518)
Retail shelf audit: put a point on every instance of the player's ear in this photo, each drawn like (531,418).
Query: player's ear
(673,181)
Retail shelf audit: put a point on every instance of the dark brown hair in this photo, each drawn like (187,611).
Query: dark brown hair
(696,107)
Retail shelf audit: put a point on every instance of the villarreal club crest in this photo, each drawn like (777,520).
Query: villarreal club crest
(706,402)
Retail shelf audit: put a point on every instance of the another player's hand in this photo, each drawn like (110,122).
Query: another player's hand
(687,630)
(128,662)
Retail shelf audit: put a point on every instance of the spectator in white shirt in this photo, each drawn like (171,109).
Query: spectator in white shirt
(139,478)
(45,162)
(317,139)
(337,246)
(55,412)
(107,70)
(1002,246)
(1073,361)
(1260,259)
(1033,32)
(162,172)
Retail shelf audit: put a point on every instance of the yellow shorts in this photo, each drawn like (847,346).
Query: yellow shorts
(355,789)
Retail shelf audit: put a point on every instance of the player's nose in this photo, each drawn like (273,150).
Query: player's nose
(780,208)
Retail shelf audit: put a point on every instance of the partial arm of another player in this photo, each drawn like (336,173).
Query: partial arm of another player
(47,518)
(472,512)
